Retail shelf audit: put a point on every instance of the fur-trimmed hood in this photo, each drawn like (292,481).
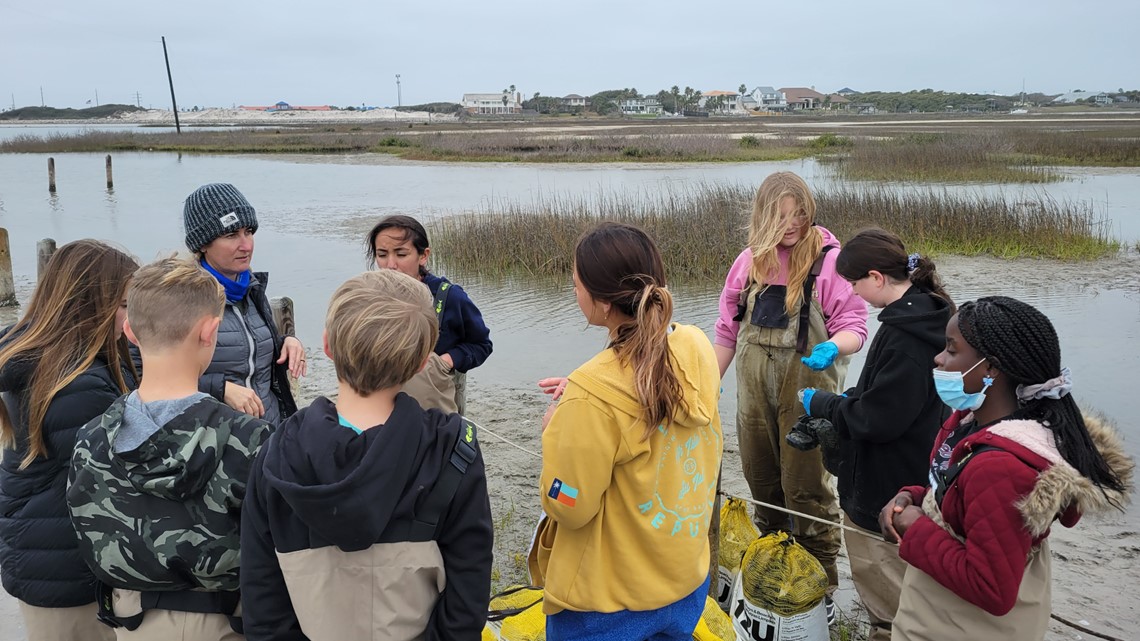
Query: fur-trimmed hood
(1061,491)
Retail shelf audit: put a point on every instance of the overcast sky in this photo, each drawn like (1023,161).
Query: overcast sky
(348,52)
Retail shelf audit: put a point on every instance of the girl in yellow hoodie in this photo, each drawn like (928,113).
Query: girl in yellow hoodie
(631,454)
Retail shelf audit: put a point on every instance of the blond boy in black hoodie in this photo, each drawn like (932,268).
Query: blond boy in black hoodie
(369,518)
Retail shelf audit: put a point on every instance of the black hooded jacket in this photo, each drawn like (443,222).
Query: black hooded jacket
(328,517)
(39,551)
(888,422)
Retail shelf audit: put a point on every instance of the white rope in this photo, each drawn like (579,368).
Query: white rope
(805,516)
(732,496)
(514,445)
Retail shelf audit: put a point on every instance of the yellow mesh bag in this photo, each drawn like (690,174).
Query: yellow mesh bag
(737,532)
(780,576)
(714,624)
(518,611)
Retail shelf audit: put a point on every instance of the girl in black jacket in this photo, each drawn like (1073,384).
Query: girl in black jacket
(887,422)
(61,365)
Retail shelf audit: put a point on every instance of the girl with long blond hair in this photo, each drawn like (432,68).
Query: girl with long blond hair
(790,321)
(630,457)
(61,365)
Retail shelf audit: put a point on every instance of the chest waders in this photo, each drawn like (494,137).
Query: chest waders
(768,375)
(436,386)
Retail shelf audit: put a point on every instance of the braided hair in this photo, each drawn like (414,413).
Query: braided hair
(1021,343)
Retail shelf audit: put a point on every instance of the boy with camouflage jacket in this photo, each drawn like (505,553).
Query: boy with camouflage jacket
(157,482)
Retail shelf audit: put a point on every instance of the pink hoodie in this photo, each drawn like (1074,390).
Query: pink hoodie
(841,307)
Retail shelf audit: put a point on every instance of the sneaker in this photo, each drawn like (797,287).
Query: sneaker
(829,605)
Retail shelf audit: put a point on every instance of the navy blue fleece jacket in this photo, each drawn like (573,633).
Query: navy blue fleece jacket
(461,330)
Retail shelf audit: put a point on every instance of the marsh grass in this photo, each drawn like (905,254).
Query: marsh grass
(956,158)
(700,230)
(449,146)
(509,146)
(283,140)
(1078,148)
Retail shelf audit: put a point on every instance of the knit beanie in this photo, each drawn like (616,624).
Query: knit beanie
(215,210)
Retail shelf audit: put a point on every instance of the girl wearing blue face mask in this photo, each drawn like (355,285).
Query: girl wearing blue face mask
(1015,456)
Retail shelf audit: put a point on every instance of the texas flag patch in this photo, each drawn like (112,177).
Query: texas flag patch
(563,493)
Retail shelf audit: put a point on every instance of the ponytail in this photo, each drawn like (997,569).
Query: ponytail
(925,277)
(621,265)
(643,343)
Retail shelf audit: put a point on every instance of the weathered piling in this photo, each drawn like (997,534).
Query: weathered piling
(283,318)
(7,284)
(51,175)
(110,178)
(714,543)
(44,250)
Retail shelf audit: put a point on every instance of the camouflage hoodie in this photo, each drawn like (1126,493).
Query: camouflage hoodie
(164,515)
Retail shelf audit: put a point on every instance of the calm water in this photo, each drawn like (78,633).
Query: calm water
(313,213)
(12,130)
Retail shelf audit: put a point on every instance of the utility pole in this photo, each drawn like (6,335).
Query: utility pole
(96,97)
(138,99)
(399,96)
(42,104)
(173,102)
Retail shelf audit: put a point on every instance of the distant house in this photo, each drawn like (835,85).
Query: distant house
(802,98)
(863,108)
(748,103)
(1121,98)
(492,103)
(1096,97)
(573,100)
(847,92)
(640,106)
(726,102)
(837,102)
(769,99)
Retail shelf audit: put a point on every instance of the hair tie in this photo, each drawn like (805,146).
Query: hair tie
(1053,388)
(912,262)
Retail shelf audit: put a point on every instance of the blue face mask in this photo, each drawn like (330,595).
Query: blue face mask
(951,388)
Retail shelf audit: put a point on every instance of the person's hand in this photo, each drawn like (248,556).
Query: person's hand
(804,396)
(907,518)
(896,505)
(293,352)
(243,399)
(549,412)
(822,356)
(446,358)
(553,386)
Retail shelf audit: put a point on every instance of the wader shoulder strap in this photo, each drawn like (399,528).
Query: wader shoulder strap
(439,300)
(947,476)
(462,455)
(805,306)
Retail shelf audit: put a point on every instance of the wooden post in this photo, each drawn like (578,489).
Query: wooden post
(110,179)
(51,175)
(44,250)
(714,543)
(7,284)
(283,318)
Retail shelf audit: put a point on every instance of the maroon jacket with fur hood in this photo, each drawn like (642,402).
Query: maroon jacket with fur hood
(1002,504)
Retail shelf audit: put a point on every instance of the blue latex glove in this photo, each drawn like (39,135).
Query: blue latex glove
(822,356)
(805,398)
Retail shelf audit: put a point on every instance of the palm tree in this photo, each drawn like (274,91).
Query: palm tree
(676,91)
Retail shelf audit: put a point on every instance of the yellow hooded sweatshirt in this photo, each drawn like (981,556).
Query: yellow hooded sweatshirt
(629,517)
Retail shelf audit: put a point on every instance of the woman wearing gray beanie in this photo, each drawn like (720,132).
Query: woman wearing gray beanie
(251,361)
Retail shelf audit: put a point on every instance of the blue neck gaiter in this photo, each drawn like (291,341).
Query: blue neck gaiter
(235,290)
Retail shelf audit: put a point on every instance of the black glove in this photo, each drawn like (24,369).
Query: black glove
(811,432)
